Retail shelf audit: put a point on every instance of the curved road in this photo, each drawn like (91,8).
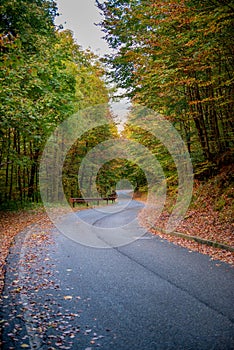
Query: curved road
(147,295)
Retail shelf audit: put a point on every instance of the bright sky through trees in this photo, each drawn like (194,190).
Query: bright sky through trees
(80,16)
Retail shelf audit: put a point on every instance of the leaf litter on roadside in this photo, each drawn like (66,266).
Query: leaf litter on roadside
(206,230)
(34,299)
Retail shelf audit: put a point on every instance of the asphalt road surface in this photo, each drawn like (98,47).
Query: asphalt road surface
(149,294)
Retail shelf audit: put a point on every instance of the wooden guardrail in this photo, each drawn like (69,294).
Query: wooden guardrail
(88,200)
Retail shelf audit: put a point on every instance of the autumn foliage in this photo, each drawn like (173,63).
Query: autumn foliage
(176,57)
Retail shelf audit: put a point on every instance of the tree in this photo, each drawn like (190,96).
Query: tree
(176,57)
(27,20)
(45,78)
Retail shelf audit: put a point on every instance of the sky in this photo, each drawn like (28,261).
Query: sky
(80,16)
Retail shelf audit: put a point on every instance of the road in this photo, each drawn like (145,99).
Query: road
(146,295)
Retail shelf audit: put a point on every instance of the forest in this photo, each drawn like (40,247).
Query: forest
(174,57)
(45,77)
(72,271)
